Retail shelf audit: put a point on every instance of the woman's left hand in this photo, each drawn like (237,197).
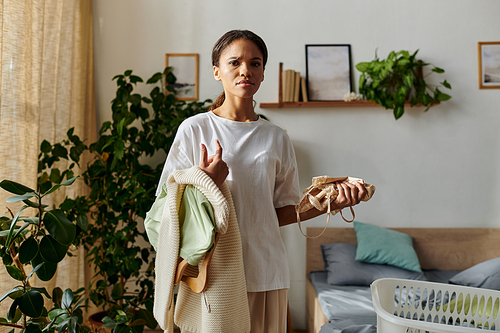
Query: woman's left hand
(348,195)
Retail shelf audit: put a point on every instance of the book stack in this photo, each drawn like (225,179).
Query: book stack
(293,87)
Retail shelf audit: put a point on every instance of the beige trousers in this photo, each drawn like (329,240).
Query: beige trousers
(268,311)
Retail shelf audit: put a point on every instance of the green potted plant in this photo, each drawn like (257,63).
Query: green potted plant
(35,245)
(122,190)
(399,78)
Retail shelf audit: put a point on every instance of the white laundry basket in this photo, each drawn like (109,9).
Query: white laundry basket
(417,306)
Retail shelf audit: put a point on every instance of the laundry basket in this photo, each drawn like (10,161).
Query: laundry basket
(418,306)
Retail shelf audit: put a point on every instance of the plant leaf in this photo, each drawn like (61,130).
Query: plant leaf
(148,317)
(60,328)
(51,250)
(57,186)
(47,271)
(32,328)
(30,220)
(15,272)
(59,227)
(73,321)
(122,329)
(14,187)
(155,78)
(23,197)
(13,226)
(67,299)
(82,221)
(446,84)
(138,322)
(398,112)
(31,273)
(135,79)
(41,290)
(443,97)
(54,314)
(77,305)
(117,291)
(31,303)
(33,204)
(408,80)
(363,66)
(28,250)
(437,70)
(12,313)
(10,292)
(45,147)
(57,296)
(20,230)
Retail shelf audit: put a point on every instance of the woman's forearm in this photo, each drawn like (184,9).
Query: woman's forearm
(287,215)
(348,195)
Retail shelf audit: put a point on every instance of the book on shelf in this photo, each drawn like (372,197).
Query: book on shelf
(293,87)
(296,87)
(303,87)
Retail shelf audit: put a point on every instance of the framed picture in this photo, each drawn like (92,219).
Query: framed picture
(185,68)
(489,65)
(328,72)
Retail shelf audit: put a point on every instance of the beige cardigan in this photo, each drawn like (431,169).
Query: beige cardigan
(226,292)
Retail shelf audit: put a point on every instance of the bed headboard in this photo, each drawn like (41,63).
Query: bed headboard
(436,248)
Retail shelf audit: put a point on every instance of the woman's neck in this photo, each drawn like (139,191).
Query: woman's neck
(237,110)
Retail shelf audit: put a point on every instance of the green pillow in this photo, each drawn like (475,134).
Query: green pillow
(378,245)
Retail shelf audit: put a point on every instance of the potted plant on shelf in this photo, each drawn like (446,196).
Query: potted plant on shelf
(122,190)
(35,245)
(399,78)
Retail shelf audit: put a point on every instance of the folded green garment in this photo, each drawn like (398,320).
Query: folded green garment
(196,220)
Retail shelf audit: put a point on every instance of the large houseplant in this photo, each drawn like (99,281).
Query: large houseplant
(122,189)
(393,81)
(35,245)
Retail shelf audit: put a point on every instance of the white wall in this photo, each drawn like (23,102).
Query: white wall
(438,169)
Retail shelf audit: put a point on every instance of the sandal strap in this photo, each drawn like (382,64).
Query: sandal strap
(353,215)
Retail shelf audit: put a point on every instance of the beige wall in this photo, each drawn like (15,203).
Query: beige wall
(435,169)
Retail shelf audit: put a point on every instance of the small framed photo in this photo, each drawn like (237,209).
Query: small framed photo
(185,68)
(489,65)
(328,71)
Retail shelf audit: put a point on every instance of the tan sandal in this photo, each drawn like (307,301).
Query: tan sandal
(200,283)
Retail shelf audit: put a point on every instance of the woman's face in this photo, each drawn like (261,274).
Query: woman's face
(241,69)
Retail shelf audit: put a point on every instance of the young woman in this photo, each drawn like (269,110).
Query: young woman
(256,159)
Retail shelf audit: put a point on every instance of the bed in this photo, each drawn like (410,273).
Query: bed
(447,251)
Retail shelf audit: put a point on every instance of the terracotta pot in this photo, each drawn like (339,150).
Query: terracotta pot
(95,321)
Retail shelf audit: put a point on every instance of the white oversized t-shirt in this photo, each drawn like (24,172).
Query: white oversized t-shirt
(263,175)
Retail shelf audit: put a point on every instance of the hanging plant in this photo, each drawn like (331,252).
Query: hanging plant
(398,79)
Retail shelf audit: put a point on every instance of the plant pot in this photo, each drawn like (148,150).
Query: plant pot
(95,321)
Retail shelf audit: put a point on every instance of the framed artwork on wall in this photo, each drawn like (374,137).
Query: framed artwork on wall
(185,68)
(489,65)
(328,71)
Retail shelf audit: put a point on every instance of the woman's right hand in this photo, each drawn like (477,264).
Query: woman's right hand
(214,166)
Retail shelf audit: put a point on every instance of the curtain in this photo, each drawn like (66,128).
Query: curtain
(46,87)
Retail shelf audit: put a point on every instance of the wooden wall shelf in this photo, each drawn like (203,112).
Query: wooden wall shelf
(331,104)
(317,104)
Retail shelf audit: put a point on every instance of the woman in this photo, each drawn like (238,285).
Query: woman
(257,160)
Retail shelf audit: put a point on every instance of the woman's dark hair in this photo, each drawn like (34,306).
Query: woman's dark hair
(224,42)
